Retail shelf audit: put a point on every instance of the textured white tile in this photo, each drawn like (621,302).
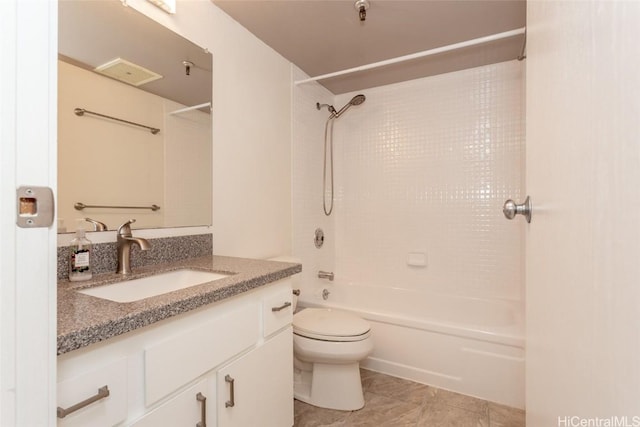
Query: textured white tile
(421,166)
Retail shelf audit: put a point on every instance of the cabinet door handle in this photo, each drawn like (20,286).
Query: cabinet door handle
(203,410)
(282,307)
(232,400)
(102,393)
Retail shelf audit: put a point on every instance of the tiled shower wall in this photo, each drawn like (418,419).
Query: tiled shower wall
(422,167)
(307,151)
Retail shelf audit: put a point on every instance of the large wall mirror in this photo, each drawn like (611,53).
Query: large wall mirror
(112,163)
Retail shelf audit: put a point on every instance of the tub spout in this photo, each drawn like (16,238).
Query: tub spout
(325,275)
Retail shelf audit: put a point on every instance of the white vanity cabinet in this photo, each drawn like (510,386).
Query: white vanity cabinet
(94,384)
(172,373)
(256,389)
(187,408)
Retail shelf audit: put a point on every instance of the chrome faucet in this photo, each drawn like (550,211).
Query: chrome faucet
(125,240)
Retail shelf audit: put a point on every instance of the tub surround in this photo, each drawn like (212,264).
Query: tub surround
(84,320)
(163,250)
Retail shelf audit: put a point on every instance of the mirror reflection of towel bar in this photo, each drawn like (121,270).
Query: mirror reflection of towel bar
(80,206)
(81,112)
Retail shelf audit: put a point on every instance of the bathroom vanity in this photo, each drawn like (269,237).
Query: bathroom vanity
(216,354)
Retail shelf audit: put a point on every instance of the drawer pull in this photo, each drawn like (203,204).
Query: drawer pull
(102,393)
(232,400)
(203,410)
(282,307)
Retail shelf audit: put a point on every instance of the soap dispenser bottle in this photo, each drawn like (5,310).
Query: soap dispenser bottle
(80,255)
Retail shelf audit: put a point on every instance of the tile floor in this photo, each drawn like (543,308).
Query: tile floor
(394,402)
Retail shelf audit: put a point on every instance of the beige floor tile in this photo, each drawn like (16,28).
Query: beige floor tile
(439,414)
(382,411)
(365,373)
(394,402)
(397,388)
(505,416)
(300,407)
(307,421)
(367,377)
(458,400)
(311,416)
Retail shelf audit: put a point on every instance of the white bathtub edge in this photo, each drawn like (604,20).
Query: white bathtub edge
(488,365)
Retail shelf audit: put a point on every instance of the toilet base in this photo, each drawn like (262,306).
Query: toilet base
(331,386)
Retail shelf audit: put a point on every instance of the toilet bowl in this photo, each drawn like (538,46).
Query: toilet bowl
(328,346)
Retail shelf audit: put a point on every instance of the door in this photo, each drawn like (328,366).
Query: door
(583,243)
(28,40)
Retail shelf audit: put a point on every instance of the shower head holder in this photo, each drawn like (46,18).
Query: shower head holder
(362,6)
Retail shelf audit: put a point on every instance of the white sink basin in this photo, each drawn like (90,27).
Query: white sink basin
(137,289)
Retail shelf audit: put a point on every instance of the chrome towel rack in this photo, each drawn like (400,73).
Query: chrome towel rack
(82,112)
(80,206)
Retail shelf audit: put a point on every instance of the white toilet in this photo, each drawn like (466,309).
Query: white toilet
(328,346)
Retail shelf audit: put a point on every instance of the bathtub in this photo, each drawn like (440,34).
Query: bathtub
(468,345)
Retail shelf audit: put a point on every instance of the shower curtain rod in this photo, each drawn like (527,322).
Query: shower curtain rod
(417,55)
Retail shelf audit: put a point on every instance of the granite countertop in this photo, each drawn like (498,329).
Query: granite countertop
(84,319)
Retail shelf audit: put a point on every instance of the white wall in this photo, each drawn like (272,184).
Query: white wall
(422,166)
(583,244)
(251,130)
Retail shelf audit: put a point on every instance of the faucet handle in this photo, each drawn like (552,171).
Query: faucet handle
(97,225)
(125,229)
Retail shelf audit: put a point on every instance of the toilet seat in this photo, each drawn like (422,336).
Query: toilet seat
(330,325)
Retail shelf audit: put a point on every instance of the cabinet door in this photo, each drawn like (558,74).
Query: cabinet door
(104,411)
(188,408)
(257,389)
(199,349)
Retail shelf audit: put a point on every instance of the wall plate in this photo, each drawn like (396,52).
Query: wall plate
(319,238)
(34,207)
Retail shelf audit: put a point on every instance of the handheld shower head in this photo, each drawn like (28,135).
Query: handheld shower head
(328,142)
(356,100)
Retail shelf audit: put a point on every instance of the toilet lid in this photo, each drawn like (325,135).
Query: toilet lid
(329,324)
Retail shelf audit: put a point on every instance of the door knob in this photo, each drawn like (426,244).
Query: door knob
(511,209)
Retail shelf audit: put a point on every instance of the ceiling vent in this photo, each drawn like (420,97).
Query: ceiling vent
(127,72)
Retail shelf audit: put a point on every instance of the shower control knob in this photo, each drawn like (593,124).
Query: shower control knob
(511,209)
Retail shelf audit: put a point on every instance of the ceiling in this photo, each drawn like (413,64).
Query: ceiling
(92,33)
(323,36)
